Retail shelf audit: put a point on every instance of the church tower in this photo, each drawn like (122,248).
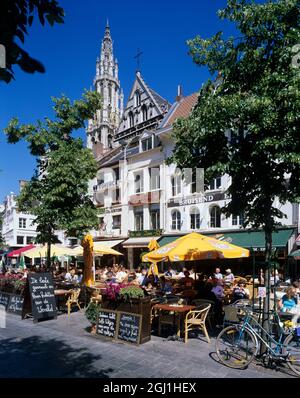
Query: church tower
(101,129)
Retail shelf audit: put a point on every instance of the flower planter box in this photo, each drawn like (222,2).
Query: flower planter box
(140,306)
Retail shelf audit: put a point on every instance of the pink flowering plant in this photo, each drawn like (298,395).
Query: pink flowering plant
(12,283)
(125,291)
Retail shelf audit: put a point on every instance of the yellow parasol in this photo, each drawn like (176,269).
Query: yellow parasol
(153,244)
(195,246)
(56,250)
(99,249)
(88,245)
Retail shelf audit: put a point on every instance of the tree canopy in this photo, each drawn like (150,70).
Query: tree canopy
(246,121)
(58,192)
(16,17)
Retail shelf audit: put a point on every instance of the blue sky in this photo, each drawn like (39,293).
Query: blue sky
(69,51)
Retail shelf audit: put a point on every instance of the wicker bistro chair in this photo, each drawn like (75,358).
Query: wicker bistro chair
(196,319)
(211,315)
(73,299)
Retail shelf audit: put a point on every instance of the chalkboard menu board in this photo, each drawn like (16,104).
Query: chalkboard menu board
(15,304)
(4,299)
(107,323)
(129,327)
(43,303)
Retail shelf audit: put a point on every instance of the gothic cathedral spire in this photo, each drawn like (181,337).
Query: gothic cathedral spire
(101,129)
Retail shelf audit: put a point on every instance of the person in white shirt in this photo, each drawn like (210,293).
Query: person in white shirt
(182,273)
(229,277)
(121,275)
(217,274)
(68,276)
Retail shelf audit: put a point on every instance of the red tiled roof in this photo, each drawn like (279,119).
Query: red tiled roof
(184,108)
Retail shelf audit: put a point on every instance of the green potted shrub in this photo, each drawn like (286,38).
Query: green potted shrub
(91,314)
(131,292)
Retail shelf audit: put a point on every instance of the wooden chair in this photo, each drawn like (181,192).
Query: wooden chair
(73,299)
(167,318)
(196,319)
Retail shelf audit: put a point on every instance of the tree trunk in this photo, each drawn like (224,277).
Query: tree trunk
(266,305)
(48,263)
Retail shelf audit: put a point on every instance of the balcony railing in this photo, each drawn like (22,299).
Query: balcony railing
(144,198)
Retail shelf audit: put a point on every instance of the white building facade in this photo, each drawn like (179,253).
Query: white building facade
(140,197)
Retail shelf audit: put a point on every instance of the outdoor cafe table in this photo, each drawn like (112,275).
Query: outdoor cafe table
(178,310)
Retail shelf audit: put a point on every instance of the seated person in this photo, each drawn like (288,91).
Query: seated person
(148,287)
(143,278)
(182,273)
(217,274)
(153,271)
(289,301)
(218,290)
(110,277)
(193,273)
(164,285)
(187,281)
(138,272)
(121,275)
(240,292)
(79,276)
(132,279)
(170,272)
(229,277)
(68,276)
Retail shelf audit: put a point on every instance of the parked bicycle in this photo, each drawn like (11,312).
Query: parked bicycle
(237,345)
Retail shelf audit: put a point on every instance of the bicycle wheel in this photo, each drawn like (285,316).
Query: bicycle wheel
(236,347)
(292,347)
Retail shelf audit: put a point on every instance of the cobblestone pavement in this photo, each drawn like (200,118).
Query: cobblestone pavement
(63,348)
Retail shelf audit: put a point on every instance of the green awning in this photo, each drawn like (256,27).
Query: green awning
(295,254)
(164,240)
(256,239)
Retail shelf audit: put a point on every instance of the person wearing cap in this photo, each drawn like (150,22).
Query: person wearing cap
(229,277)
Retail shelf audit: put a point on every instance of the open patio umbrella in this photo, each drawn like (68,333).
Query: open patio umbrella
(193,247)
(56,250)
(18,252)
(103,249)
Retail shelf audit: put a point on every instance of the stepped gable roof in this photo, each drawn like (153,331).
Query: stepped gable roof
(181,108)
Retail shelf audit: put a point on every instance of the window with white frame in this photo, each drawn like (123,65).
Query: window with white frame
(116,222)
(22,222)
(215,183)
(154,216)
(139,182)
(237,219)
(195,218)
(139,218)
(154,178)
(176,220)
(176,181)
(147,144)
(20,240)
(215,217)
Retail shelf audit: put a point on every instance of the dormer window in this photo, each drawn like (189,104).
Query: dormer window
(147,144)
(137,98)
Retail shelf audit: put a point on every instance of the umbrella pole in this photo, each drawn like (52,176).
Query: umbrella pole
(94,269)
